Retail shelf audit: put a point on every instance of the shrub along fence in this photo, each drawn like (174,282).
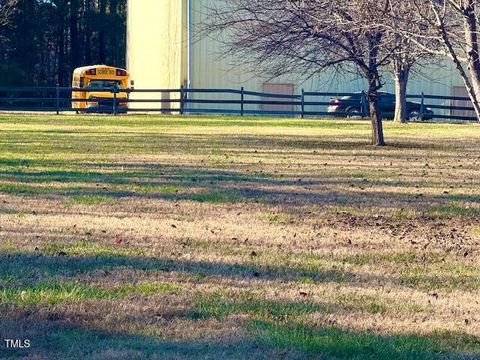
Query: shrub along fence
(224,101)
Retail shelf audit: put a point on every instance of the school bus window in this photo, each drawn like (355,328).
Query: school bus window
(104,84)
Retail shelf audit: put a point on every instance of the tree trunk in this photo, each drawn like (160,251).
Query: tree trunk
(472,85)
(375,118)
(473,56)
(472,78)
(469,84)
(474,93)
(374,84)
(401,74)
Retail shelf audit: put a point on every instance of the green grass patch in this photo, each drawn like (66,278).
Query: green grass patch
(219,305)
(7,246)
(89,199)
(357,302)
(170,189)
(57,292)
(146,289)
(156,189)
(217,197)
(449,277)
(404,214)
(53,293)
(452,210)
(464,197)
(88,248)
(279,218)
(337,343)
(25,190)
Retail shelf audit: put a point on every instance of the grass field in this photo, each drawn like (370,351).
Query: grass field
(215,238)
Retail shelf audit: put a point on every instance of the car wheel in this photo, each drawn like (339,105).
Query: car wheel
(414,115)
(354,113)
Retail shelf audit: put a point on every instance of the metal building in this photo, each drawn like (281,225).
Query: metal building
(164,51)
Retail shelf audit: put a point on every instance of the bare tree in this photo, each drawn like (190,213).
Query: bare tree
(402,64)
(7,8)
(309,36)
(405,54)
(449,28)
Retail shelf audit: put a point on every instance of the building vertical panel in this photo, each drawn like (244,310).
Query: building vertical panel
(156,50)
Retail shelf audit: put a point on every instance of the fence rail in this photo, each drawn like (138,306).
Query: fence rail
(220,101)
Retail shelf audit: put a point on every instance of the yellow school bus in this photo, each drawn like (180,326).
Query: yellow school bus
(95,78)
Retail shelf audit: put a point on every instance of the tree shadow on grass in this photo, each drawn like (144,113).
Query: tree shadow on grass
(265,339)
(177,183)
(196,183)
(52,341)
(26,270)
(271,330)
(33,267)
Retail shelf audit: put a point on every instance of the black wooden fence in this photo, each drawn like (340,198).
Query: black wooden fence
(221,101)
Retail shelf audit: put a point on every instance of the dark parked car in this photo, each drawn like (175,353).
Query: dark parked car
(350,106)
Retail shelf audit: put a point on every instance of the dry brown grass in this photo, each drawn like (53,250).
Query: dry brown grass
(206,238)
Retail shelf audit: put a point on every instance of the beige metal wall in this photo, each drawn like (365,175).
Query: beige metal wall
(159,48)
(157,45)
(210,69)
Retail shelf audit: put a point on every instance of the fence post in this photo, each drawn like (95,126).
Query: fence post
(115,100)
(182,94)
(242,98)
(422,106)
(303,103)
(57,98)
